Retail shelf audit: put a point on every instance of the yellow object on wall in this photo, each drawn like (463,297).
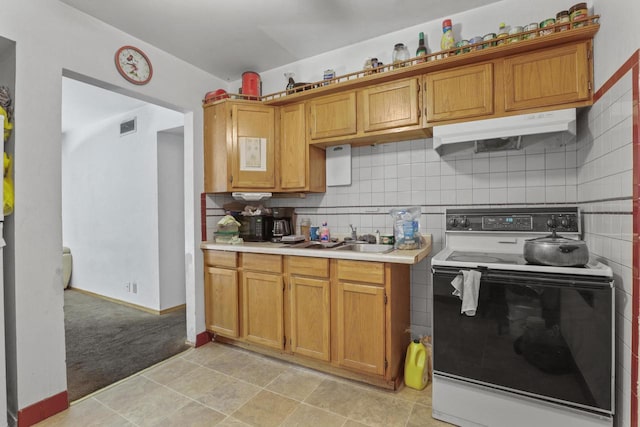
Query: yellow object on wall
(7,203)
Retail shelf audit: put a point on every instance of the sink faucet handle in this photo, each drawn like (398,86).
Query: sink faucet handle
(354,234)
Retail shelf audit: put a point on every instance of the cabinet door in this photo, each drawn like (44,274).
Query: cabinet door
(253,154)
(361,327)
(215,149)
(390,105)
(546,77)
(293,147)
(221,301)
(310,319)
(263,296)
(459,93)
(334,115)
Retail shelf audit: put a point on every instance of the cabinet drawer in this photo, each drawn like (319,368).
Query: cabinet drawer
(305,266)
(262,262)
(361,271)
(220,258)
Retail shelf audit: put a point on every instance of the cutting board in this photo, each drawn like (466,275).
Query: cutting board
(338,165)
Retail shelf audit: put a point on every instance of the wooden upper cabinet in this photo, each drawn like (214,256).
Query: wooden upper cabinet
(302,168)
(253,150)
(216,150)
(389,106)
(464,92)
(239,146)
(332,116)
(559,75)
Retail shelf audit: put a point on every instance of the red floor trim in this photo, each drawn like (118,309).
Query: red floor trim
(636,243)
(39,411)
(202,338)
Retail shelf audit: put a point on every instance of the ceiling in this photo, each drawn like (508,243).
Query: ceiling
(226,38)
(84,104)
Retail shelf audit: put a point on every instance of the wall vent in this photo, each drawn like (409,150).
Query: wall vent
(127,127)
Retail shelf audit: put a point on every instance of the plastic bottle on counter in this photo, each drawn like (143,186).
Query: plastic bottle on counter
(325,236)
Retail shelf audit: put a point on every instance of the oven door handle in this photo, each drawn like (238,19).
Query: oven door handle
(545,279)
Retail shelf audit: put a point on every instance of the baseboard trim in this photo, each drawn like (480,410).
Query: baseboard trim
(202,338)
(39,411)
(128,304)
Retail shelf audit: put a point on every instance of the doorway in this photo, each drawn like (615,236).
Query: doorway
(123,223)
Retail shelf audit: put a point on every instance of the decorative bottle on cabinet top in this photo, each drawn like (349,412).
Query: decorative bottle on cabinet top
(447,42)
(422,49)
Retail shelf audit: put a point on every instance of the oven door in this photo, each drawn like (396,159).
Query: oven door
(548,336)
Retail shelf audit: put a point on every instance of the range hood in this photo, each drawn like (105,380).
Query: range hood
(506,133)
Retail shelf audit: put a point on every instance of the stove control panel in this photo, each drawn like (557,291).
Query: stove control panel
(534,220)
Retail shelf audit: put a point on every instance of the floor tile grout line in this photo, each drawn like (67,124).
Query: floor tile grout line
(202,403)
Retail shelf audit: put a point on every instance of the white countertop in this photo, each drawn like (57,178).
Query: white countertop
(397,256)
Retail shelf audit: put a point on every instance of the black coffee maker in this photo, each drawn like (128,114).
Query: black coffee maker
(283,223)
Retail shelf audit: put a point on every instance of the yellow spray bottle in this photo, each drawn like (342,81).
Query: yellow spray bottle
(416,373)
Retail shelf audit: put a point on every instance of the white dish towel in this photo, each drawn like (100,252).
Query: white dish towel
(467,286)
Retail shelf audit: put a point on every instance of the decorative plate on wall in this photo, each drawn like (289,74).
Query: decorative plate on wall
(134,65)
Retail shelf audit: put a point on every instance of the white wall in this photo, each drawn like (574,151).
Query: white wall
(618,37)
(171,218)
(51,38)
(110,205)
(7,78)
(349,59)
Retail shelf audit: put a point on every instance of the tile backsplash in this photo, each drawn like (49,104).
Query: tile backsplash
(605,190)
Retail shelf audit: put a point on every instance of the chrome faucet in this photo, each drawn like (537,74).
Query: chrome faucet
(354,234)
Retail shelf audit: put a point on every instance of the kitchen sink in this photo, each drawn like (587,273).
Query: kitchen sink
(368,248)
(317,245)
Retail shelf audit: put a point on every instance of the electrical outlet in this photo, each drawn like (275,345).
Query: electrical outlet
(127,286)
(134,287)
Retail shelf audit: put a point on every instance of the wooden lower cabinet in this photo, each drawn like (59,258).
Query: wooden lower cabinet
(309,288)
(221,301)
(349,318)
(221,293)
(361,327)
(262,305)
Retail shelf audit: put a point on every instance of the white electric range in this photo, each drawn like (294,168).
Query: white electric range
(539,350)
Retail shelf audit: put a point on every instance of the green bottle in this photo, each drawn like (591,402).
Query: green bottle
(422,49)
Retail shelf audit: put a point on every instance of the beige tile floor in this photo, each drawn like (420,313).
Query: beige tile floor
(221,385)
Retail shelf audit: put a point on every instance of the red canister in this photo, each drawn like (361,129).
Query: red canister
(251,84)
